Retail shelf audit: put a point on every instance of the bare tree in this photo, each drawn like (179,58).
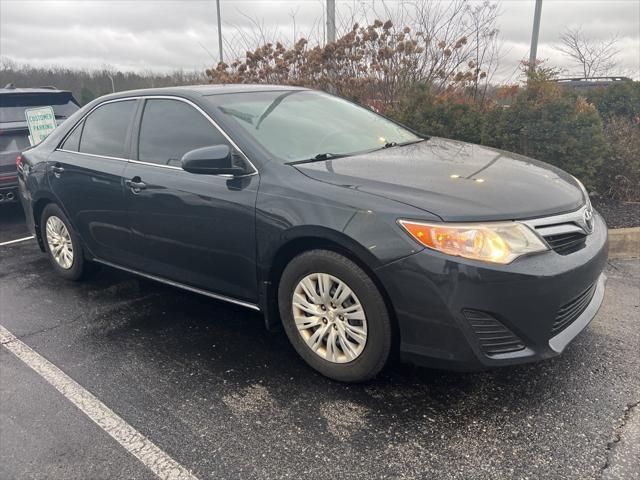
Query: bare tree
(594,57)
(456,33)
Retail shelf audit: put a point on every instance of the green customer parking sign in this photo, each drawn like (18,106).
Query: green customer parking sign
(41,122)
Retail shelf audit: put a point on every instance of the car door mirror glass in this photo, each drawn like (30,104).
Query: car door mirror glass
(213,160)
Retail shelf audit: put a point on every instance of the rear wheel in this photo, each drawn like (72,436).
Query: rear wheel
(335,316)
(62,243)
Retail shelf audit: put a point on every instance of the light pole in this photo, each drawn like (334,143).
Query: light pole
(331,21)
(533,52)
(219,31)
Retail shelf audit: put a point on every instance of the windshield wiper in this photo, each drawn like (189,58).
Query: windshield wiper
(401,144)
(320,157)
(330,156)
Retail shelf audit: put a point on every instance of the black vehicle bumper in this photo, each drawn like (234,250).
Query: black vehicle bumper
(8,191)
(465,315)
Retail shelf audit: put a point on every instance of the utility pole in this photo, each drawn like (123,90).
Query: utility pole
(533,52)
(331,21)
(219,31)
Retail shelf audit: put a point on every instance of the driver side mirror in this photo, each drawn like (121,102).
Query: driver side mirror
(214,160)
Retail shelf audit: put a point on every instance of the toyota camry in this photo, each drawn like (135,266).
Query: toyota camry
(358,236)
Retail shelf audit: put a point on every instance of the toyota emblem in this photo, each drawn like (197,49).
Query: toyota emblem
(588,219)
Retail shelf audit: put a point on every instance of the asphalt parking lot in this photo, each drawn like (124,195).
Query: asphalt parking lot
(222,397)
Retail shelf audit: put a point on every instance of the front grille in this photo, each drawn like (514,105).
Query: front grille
(494,338)
(565,233)
(572,310)
(566,243)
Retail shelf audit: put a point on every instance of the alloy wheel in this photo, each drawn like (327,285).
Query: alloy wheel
(329,318)
(59,242)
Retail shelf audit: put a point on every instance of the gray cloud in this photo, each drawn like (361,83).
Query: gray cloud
(163,35)
(599,19)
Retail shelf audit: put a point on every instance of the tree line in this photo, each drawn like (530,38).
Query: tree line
(87,85)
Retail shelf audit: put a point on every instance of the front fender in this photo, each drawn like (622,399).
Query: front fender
(295,213)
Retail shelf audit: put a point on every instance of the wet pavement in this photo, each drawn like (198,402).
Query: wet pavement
(210,387)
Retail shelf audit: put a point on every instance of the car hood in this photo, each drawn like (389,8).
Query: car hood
(456,181)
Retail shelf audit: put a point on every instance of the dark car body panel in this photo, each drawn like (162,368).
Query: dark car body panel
(227,236)
(195,229)
(92,193)
(455,180)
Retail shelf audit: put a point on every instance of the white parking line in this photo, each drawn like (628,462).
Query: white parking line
(133,441)
(24,239)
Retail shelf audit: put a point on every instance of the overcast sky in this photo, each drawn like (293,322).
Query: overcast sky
(164,35)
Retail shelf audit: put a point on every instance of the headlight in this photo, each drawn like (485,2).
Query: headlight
(499,242)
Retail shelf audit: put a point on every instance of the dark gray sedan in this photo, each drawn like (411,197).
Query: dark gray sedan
(359,236)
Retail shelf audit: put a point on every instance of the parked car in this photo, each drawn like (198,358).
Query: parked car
(584,84)
(361,237)
(14,134)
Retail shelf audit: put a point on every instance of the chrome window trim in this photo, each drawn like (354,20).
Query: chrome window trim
(91,155)
(173,283)
(140,162)
(128,160)
(162,97)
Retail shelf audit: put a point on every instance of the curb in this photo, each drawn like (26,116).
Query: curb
(624,243)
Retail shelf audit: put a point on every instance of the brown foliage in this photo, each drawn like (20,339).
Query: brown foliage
(374,64)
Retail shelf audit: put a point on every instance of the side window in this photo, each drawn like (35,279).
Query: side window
(171,128)
(105,129)
(72,143)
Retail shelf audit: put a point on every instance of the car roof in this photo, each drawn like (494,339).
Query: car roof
(203,90)
(218,89)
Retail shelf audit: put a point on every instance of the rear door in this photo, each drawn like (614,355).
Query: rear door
(85,173)
(195,229)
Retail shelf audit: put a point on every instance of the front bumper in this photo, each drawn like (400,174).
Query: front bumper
(432,294)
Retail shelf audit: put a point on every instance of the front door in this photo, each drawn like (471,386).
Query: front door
(195,229)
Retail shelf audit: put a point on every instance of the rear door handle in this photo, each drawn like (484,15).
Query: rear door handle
(135,184)
(57,169)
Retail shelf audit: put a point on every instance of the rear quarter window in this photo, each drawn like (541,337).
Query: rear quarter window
(72,143)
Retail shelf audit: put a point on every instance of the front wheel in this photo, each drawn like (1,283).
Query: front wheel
(62,243)
(335,316)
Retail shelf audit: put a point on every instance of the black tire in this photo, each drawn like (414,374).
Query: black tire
(377,348)
(79,265)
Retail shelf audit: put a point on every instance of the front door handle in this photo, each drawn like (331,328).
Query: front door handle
(135,184)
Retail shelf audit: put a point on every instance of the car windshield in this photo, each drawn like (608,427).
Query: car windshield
(297,125)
